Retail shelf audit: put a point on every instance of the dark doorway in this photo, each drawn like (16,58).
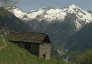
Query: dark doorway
(44,56)
(27,46)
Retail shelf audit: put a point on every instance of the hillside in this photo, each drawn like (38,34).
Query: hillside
(81,40)
(9,22)
(12,54)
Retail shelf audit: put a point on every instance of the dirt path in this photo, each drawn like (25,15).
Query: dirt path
(4,44)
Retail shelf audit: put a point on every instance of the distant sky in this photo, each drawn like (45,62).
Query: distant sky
(36,4)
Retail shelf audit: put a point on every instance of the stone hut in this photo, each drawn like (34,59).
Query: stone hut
(36,43)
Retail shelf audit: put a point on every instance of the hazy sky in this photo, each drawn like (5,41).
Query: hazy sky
(36,4)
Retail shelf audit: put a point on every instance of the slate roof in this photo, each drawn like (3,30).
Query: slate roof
(33,37)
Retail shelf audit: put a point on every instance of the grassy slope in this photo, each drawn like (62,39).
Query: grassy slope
(12,54)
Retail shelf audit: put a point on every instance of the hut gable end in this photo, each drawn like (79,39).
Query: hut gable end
(46,40)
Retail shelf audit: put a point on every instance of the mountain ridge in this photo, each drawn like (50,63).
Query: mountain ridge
(51,15)
(69,9)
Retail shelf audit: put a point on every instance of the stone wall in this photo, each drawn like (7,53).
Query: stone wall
(45,51)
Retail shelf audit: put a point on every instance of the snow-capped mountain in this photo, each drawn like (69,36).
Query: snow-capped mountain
(59,24)
(51,14)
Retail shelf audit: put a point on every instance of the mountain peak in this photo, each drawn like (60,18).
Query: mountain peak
(72,6)
(51,14)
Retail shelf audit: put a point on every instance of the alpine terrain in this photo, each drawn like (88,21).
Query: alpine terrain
(60,24)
